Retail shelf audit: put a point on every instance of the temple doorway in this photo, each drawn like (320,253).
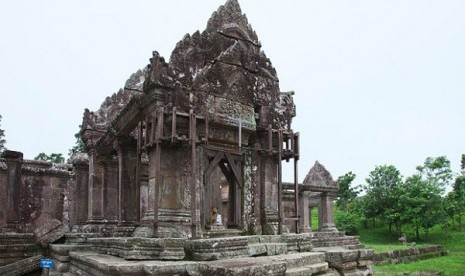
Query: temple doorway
(315,218)
(222,193)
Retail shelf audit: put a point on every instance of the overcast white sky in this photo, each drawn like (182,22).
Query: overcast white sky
(376,82)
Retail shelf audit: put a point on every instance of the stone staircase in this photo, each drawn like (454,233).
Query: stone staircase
(17,246)
(23,267)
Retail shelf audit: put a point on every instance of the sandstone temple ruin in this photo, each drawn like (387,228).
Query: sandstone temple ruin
(181,175)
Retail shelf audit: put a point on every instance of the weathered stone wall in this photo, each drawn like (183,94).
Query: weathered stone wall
(41,196)
(409,254)
(3,194)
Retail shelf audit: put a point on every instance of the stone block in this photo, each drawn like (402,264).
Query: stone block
(346,266)
(218,248)
(275,248)
(257,249)
(49,230)
(366,254)
(243,267)
(363,263)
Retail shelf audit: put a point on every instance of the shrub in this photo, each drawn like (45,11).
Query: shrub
(347,222)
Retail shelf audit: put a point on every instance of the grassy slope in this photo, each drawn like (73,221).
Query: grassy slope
(453,264)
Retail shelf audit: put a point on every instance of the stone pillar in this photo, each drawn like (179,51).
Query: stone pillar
(269,184)
(128,187)
(305,212)
(80,191)
(146,223)
(326,211)
(110,189)
(95,192)
(14,162)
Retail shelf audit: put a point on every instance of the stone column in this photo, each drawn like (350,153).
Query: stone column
(304,212)
(80,191)
(14,162)
(128,187)
(269,184)
(95,194)
(110,189)
(326,210)
(146,223)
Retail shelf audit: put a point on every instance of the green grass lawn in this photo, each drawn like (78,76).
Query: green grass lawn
(380,240)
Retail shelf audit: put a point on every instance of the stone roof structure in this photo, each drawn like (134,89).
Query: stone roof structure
(320,180)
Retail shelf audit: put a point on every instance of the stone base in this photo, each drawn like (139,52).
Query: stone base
(335,238)
(217,248)
(328,227)
(144,231)
(140,248)
(222,233)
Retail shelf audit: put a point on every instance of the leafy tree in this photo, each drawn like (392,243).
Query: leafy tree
(421,203)
(2,138)
(458,193)
(346,193)
(54,157)
(436,171)
(78,146)
(382,195)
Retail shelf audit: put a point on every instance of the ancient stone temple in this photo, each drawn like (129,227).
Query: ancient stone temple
(181,175)
(211,126)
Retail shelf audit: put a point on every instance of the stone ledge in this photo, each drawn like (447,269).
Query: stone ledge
(218,248)
(409,254)
(140,248)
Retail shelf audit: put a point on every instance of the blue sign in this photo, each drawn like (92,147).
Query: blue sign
(47,263)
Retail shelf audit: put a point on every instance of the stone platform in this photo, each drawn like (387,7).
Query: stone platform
(307,263)
(288,254)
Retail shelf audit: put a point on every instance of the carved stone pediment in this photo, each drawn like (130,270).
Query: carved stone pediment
(320,180)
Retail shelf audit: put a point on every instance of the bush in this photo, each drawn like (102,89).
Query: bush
(347,222)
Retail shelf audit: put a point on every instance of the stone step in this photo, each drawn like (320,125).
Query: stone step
(218,248)
(11,253)
(16,238)
(278,265)
(318,234)
(295,260)
(223,233)
(307,270)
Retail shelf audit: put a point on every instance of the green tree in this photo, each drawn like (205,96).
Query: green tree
(382,195)
(78,146)
(346,193)
(421,204)
(458,193)
(54,157)
(436,171)
(2,138)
